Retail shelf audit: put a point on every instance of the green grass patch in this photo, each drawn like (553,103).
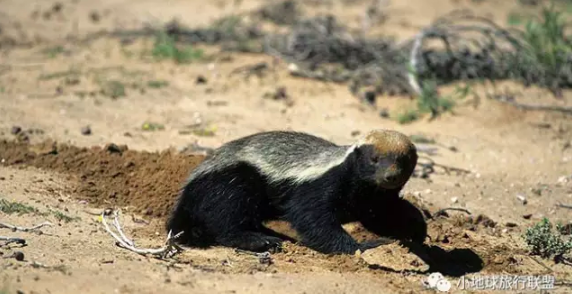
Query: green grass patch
(407,116)
(157,84)
(60,216)
(53,52)
(546,41)
(432,103)
(19,208)
(14,207)
(165,47)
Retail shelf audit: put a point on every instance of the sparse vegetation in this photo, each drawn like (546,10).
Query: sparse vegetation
(53,52)
(431,102)
(9,207)
(60,216)
(515,19)
(407,116)
(165,47)
(548,44)
(157,84)
(113,89)
(546,242)
(13,207)
(152,126)
(60,74)
(421,139)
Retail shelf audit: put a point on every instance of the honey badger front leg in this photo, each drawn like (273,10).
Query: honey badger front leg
(316,223)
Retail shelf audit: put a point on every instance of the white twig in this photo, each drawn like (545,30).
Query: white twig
(412,72)
(169,249)
(23,229)
(118,227)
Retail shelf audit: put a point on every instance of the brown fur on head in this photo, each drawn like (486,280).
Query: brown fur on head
(386,157)
(388,141)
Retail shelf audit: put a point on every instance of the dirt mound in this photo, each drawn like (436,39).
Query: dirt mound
(110,176)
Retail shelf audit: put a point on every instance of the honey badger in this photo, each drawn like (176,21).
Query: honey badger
(310,182)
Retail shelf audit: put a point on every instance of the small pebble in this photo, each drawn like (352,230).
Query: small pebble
(511,225)
(527,216)
(15,130)
(86,131)
(94,16)
(455,199)
(522,199)
(201,80)
(563,179)
(19,256)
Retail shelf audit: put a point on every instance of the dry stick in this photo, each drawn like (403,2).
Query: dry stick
(447,168)
(24,229)
(122,241)
(567,206)
(441,211)
(501,98)
(12,240)
(541,264)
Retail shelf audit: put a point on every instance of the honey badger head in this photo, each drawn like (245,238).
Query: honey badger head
(386,158)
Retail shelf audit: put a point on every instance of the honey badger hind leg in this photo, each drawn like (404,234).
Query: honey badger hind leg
(228,207)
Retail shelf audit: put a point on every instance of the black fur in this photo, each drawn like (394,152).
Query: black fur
(227,206)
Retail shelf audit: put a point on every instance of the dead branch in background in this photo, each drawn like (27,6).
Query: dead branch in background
(24,229)
(428,167)
(510,99)
(169,250)
(472,48)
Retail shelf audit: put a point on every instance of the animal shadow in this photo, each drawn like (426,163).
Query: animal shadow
(454,263)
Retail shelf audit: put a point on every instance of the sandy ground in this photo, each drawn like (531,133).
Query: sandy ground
(508,152)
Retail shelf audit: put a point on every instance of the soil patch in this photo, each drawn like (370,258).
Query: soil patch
(147,182)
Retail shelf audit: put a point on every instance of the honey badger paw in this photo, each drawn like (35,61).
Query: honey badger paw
(252,241)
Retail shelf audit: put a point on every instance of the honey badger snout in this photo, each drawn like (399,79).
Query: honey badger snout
(391,177)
